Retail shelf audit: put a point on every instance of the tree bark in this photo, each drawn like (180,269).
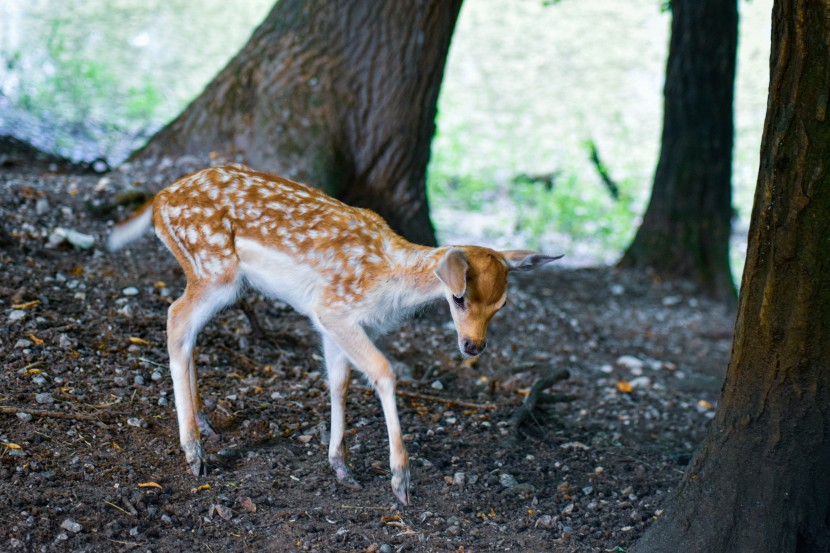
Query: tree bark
(341,95)
(686,228)
(761,480)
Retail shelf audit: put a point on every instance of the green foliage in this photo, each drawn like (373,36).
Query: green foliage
(582,210)
(535,208)
(98,73)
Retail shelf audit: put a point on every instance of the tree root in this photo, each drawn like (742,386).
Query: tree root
(537,412)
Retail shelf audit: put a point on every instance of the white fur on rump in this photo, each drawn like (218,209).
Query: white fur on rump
(130,230)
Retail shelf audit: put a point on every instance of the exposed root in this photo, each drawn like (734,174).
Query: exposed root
(537,412)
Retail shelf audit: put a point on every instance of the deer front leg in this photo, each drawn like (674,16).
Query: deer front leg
(354,342)
(339,372)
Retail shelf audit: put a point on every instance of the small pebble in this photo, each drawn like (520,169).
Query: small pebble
(670,301)
(130,291)
(156,376)
(630,362)
(22,343)
(167,520)
(385,548)
(137,422)
(44,397)
(507,480)
(64,341)
(25,417)
(71,525)
(163,401)
(544,521)
(16,315)
(437,385)
(640,382)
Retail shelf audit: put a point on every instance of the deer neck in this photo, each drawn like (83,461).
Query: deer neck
(412,274)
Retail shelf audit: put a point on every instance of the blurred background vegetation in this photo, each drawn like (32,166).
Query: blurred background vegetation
(531,88)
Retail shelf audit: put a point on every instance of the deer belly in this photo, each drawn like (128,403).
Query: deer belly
(278,274)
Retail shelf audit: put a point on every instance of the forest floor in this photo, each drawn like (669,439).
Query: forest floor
(90,459)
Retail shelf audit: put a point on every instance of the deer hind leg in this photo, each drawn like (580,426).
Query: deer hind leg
(339,372)
(360,350)
(202,422)
(185,319)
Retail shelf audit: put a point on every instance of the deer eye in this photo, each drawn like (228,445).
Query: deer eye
(458,300)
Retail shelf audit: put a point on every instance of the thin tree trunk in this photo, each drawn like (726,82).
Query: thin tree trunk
(686,228)
(341,95)
(761,480)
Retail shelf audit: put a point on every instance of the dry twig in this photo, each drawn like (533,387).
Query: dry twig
(10,410)
(445,400)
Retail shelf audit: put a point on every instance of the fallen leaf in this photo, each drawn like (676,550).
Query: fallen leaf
(624,387)
(223,511)
(37,341)
(149,485)
(202,488)
(115,446)
(247,504)
(33,371)
(159,284)
(705,404)
(392,518)
(11,445)
(25,305)
(139,341)
(77,271)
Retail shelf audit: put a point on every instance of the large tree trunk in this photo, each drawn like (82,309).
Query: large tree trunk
(341,95)
(686,228)
(761,480)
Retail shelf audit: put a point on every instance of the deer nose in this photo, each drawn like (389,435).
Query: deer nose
(472,347)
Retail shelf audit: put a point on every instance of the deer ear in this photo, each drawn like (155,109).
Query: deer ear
(525,260)
(452,271)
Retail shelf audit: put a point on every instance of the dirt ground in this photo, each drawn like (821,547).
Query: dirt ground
(90,459)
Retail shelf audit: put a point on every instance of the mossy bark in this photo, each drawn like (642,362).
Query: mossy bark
(340,95)
(761,480)
(686,228)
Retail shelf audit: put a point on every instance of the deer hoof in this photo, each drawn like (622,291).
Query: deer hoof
(344,475)
(195,456)
(400,484)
